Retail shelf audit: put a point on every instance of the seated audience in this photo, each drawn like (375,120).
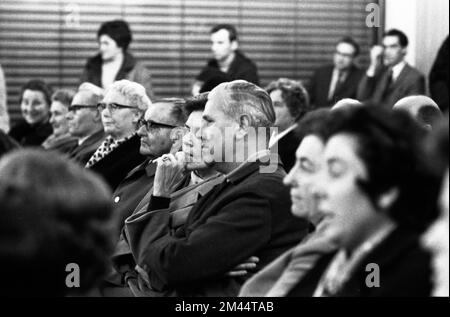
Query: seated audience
(380,198)
(291,102)
(422,108)
(199,179)
(114,62)
(54,226)
(437,239)
(35,127)
(4,116)
(246,215)
(121,109)
(389,78)
(85,122)
(158,137)
(60,140)
(339,80)
(439,81)
(279,277)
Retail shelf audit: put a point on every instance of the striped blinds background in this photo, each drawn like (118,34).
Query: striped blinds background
(52,39)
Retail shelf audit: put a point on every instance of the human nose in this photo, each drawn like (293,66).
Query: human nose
(291,180)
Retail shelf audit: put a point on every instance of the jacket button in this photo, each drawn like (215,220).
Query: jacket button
(116,199)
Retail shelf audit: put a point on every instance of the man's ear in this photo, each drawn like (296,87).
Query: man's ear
(176,137)
(387,199)
(244,125)
(97,116)
(234,45)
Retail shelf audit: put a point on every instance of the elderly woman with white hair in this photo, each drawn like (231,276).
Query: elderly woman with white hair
(123,105)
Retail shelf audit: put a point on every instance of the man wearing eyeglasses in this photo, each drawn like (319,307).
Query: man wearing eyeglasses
(157,137)
(85,122)
(340,80)
(123,105)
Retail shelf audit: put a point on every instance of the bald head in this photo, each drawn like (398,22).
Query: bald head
(346,104)
(422,108)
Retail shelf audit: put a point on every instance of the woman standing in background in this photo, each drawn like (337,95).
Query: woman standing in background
(114,62)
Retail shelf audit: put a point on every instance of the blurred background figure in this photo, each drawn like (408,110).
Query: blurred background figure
(291,102)
(35,127)
(437,239)
(123,106)
(422,108)
(340,80)
(60,140)
(227,60)
(54,213)
(85,122)
(4,117)
(389,77)
(439,82)
(114,62)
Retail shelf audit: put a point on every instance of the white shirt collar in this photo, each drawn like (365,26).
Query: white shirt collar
(397,69)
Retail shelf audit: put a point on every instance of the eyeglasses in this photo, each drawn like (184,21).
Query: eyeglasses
(150,124)
(112,106)
(74,108)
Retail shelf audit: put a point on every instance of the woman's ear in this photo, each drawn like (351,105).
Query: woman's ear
(387,199)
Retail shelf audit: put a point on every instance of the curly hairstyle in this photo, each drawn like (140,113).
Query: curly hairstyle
(294,94)
(54,213)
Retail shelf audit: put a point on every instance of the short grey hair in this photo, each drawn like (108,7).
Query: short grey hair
(243,98)
(92,93)
(134,92)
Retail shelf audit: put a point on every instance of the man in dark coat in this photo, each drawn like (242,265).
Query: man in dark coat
(389,77)
(331,83)
(247,215)
(228,59)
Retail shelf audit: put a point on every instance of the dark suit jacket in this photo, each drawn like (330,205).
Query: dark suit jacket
(28,135)
(319,86)
(249,214)
(117,164)
(405,271)
(131,191)
(372,89)
(241,68)
(84,152)
(439,81)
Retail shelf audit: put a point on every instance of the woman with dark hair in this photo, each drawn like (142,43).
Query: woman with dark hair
(114,62)
(35,99)
(55,223)
(60,140)
(278,278)
(380,197)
